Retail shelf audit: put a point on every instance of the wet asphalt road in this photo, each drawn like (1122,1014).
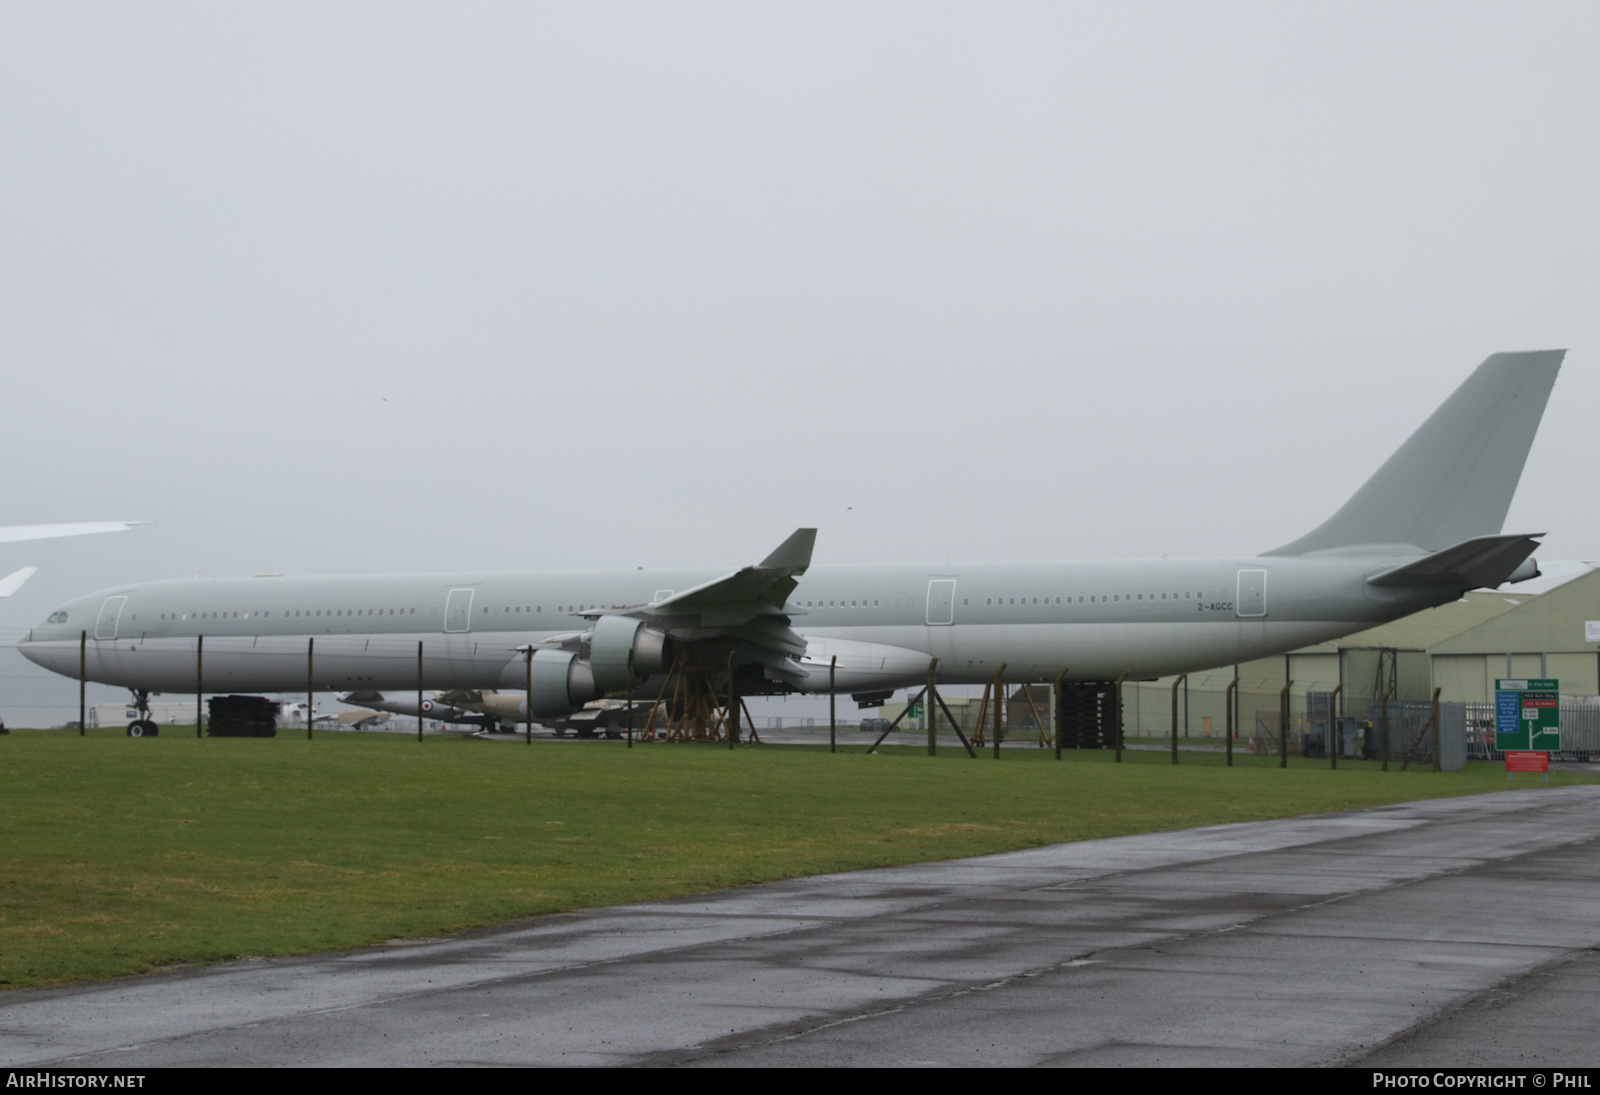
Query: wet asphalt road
(1448,933)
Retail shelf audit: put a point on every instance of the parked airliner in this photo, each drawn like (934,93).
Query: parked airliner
(1424,528)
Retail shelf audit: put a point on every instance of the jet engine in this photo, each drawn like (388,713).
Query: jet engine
(562,683)
(611,641)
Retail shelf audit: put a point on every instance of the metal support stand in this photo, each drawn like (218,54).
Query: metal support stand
(929,709)
(1027,694)
(630,696)
(999,712)
(696,710)
(956,726)
(998,690)
(979,737)
(910,703)
(661,696)
(527,703)
(1058,712)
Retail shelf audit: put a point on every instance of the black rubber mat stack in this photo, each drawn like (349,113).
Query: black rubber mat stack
(1090,715)
(242,717)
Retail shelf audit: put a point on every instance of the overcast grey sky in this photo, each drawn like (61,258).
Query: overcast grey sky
(400,287)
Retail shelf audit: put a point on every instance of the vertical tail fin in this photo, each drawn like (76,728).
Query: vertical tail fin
(1453,479)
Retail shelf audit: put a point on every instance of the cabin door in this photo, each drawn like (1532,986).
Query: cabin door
(941,601)
(106,626)
(1252,599)
(458,611)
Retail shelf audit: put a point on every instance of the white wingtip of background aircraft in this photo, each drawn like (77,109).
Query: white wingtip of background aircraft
(17,533)
(13,582)
(14,533)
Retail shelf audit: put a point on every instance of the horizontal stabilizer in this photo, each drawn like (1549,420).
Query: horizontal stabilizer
(1482,561)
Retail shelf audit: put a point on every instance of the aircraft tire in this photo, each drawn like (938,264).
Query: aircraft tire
(143,728)
(614,730)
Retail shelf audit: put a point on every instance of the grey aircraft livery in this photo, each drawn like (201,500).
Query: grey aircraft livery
(1426,527)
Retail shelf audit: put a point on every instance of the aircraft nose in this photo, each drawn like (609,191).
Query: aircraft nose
(58,657)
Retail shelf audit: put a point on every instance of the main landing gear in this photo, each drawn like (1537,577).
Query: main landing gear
(143,726)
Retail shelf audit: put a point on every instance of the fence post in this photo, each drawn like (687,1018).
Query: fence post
(999,692)
(1385,734)
(1182,677)
(1333,725)
(1438,765)
(199,681)
(1227,703)
(83,679)
(1116,713)
(833,723)
(311,685)
(1283,725)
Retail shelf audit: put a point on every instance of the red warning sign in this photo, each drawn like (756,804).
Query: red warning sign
(1527,762)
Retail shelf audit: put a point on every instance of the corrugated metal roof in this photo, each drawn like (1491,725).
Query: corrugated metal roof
(1421,630)
(1551,623)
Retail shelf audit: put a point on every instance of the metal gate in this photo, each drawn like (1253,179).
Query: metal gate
(458,610)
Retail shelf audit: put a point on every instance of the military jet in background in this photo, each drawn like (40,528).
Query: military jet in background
(502,712)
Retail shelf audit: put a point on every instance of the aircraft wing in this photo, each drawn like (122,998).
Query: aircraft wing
(13,581)
(760,590)
(743,611)
(13,533)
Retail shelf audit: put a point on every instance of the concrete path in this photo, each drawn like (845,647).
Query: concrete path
(1457,932)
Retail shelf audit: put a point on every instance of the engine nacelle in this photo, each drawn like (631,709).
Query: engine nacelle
(613,637)
(1528,568)
(561,683)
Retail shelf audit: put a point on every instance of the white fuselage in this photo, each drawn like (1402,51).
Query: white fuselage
(1093,620)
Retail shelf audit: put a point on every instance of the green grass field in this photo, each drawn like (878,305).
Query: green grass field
(123,855)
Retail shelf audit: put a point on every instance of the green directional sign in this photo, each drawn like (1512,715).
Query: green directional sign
(1527,715)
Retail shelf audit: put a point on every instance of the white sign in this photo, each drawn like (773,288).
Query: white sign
(1591,631)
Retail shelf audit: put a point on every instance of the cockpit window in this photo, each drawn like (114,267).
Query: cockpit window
(57,618)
